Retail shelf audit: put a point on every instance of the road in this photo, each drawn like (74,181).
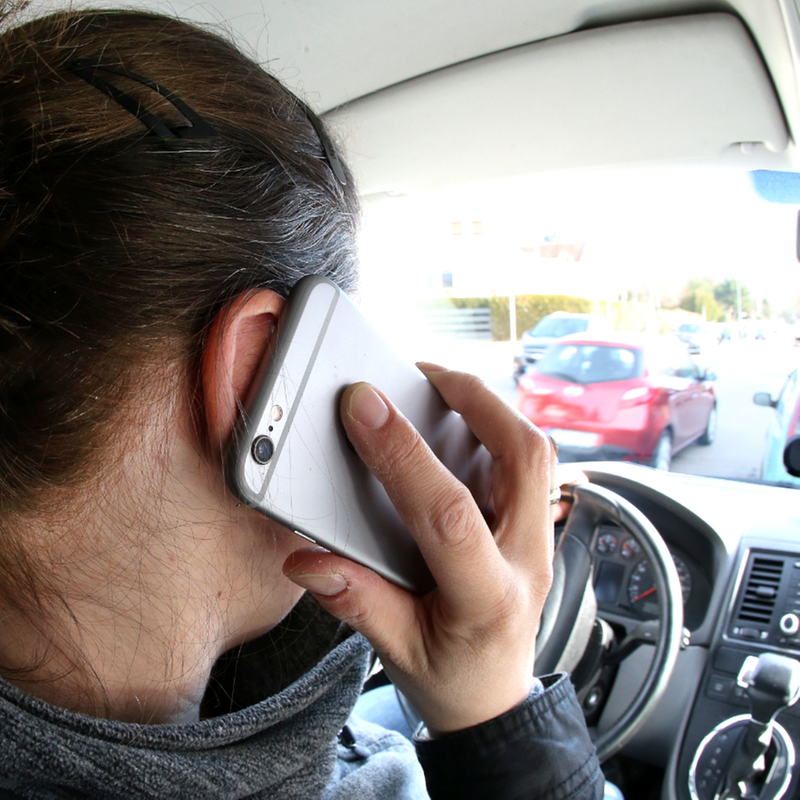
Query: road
(742,367)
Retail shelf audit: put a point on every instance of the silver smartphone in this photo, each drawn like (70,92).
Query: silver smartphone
(290,458)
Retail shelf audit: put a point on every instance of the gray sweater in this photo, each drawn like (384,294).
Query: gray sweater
(276,707)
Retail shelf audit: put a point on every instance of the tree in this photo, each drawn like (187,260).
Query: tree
(698,296)
(727,295)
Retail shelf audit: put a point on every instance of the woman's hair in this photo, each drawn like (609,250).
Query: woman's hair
(115,236)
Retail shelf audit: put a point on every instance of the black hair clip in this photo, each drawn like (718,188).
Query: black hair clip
(327,145)
(199,129)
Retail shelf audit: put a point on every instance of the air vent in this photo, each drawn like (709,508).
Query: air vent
(761,591)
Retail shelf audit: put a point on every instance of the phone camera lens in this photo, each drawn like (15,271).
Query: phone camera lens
(262,449)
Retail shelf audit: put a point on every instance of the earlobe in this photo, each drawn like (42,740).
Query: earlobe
(242,335)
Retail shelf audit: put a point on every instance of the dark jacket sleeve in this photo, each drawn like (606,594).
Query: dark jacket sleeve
(539,750)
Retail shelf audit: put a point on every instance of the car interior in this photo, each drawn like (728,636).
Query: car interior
(685,648)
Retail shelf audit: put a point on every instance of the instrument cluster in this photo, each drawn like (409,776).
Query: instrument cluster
(623,576)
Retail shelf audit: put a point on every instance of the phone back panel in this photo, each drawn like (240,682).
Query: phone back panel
(314,483)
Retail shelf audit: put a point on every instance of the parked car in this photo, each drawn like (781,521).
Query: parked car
(620,398)
(534,342)
(693,335)
(785,424)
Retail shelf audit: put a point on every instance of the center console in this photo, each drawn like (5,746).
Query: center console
(763,619)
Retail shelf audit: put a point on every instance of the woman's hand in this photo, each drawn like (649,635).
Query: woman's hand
(567,474)
(463,653)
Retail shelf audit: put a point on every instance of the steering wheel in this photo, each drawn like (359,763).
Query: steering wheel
(568,618)
(570,609)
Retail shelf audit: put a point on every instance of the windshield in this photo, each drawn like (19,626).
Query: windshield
(556,327)
(589,363)
(663,252)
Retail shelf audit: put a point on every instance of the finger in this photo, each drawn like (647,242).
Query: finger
(438,510)
(569,473)
(524,460)
(357,596)
(566,474)
(561,510)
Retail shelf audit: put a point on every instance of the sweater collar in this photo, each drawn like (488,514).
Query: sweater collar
(285,739)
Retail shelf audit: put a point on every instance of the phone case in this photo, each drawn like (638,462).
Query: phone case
(314,483)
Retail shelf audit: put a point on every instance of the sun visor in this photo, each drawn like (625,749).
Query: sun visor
(682,89)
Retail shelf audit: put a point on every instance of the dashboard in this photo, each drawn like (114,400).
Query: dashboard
(736,548)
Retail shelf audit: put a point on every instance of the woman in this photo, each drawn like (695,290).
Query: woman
(161,194)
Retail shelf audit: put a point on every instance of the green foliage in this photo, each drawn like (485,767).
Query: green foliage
(727,295)
(699,297)
(719,301)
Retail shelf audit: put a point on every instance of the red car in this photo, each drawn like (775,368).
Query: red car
(620,396)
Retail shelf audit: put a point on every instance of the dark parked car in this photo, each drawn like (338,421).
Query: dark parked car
(620,397)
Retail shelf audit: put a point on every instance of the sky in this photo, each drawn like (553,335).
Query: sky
(661,225)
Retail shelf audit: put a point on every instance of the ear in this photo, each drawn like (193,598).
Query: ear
(242,335)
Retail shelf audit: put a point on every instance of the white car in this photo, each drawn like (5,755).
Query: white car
(535,342)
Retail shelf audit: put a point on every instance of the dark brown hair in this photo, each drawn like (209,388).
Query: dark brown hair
(112,238)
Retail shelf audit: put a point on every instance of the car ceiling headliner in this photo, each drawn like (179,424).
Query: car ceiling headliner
(335,52)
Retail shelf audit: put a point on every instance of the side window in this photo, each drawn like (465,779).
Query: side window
(665,368)
(675,362)
(663,362)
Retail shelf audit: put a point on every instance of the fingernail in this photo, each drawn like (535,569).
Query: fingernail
(427,366)
(325,585)
(367,407)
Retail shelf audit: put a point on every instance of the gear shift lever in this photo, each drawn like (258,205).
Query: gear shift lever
(772,683)
(750,757)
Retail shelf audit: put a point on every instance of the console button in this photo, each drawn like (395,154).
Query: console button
(720,687)
(790,624)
